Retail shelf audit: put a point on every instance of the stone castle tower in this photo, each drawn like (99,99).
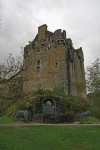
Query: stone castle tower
(50,61)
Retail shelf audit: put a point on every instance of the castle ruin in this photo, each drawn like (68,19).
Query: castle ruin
(50,61)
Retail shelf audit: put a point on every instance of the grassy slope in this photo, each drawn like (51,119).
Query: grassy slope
(50,138)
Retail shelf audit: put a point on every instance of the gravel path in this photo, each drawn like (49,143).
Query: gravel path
(18,124)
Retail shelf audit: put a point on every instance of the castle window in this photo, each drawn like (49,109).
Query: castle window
(38,65)
(42,45)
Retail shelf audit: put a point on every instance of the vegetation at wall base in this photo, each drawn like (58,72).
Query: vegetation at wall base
(72,104)
(5,120)
(89,120)
(25,102)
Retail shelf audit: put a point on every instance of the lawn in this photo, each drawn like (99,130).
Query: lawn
(50,138)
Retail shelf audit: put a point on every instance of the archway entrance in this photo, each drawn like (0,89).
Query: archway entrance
(49,110)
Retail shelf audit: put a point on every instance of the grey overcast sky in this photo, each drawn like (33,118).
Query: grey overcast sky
(20,20)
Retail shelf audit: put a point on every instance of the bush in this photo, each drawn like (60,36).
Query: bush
(90,120)
(57,91)
(6,120)
(26,102)
(94,104)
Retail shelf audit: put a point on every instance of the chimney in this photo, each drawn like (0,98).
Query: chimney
(42,31)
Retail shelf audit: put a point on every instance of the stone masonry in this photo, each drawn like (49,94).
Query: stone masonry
(50,61)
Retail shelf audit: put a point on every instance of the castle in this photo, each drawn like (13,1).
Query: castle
(50,61)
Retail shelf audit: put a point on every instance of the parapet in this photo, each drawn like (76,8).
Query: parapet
(43,33)
(59,34)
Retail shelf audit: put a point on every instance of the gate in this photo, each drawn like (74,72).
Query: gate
(48,109)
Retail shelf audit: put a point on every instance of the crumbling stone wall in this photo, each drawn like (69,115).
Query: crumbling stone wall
(50,61)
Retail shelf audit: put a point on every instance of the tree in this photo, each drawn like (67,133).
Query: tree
(10,68)
(9,73)
(80,87)
(93,77)
(10,81)
(94,104)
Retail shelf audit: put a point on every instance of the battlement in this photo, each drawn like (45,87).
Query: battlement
(46,39)
(43,33)
(59,34)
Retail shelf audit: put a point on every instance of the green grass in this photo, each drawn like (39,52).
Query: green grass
(6,120)
(50,138)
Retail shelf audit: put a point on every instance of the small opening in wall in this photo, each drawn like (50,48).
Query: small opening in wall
(56,64)
(38,68)
(42,45)
(38,65)
(38,62)
(38,50)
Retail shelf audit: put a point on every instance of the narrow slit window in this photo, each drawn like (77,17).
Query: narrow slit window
(38,65)
(56,64)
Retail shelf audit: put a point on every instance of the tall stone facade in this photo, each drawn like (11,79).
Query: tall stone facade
(50,61)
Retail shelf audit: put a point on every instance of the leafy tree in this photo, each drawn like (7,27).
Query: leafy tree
(94,104)
(9,81)
(80,87)
(93,77)
(10,68)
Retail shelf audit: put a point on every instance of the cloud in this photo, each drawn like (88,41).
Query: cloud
(21,18)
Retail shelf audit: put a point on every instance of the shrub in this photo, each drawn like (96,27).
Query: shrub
(6,120)
(94,104)
(90,120)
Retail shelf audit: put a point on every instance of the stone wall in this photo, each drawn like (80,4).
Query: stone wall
(50,61)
